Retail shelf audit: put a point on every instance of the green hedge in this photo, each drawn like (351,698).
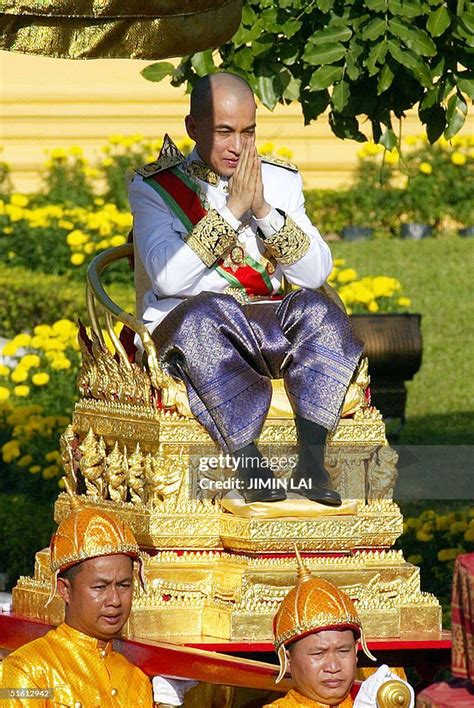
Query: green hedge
(21,539)
(29,298)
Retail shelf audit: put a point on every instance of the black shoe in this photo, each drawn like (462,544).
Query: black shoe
(317,489)
(263,495)
(251,471)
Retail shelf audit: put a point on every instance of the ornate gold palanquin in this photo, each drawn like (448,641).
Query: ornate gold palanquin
(92,29)
(216,566)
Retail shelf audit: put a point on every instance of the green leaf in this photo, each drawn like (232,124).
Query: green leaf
(385,79)
(340,95)
(332,33)
(388,139)
(157,71)
(374,29)
(324,53)
(376,56)
(269,19)
(414,38)
(435,120)
(466,85)
(263,44)
(410,60)
(325,76)
(313,104)
(292,90)
(467,21)
(245,35)
(455,115)
(430,99)
(346,127)
(266,91)
(243,58)
(248,15)
(375,5)
(353,67)
(405,8)
(289,51)
(325,5)
(203,63)
(438,21)
(290,28)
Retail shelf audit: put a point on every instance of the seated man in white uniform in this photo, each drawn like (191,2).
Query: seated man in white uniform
(217,231)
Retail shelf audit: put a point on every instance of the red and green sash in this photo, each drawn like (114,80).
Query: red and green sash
(181,195)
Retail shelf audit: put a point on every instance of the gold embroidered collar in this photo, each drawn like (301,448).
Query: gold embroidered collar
(203,172)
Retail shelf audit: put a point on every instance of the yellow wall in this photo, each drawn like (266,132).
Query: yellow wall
(48,103)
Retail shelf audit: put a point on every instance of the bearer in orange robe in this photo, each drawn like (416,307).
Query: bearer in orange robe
(317,630)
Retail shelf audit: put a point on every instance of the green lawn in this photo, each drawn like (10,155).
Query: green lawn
(437,275)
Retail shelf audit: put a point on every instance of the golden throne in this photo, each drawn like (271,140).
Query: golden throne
(216,566)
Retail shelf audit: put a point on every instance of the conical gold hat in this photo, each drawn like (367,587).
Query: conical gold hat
(89,533)
(313,605)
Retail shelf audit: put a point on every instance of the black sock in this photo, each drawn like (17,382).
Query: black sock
(311,442)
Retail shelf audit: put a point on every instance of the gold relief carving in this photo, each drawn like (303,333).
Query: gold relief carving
(165,478)
(284,434)
(134,412)
(115,473)
(102,376)
(289,244)
(136,477)
(68,446)
(382,473)
(211,237)
(356,398)
(92,464)
(365,427)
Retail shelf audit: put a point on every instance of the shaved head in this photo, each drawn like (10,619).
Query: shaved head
(210,88)
(222,117)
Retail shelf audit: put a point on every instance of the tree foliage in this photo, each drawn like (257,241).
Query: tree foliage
(364,62)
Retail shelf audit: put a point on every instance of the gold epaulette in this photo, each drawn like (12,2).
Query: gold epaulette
(279,162)
(169,156)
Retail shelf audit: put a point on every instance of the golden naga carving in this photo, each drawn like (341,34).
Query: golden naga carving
(104,377)
(356,398)
(92,464)
(393,694)
(136,477)
(115,474)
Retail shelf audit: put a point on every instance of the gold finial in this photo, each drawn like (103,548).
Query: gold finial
(393,694)
(73,500)
(303,573)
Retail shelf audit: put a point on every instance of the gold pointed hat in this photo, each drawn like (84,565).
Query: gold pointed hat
(89,533)
(313,605)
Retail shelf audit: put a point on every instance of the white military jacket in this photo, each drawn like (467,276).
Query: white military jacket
(180,263)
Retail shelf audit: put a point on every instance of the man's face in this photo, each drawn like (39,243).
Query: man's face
(323,665)
(99,596)
(220,135)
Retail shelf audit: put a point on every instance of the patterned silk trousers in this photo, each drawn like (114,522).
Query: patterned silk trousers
(226,353)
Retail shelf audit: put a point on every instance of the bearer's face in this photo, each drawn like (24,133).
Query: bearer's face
(323,665)
(98,596)
(220,134)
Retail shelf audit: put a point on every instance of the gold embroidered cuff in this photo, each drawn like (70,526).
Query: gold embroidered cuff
(211,238)
(289,244)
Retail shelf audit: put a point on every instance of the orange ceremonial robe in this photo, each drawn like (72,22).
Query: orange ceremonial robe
(293,699)
(80,672)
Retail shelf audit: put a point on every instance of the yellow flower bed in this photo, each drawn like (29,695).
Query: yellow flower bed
(379,293)
(37,393)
